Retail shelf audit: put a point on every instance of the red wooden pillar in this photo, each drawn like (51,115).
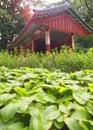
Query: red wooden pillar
(47,41)
(70,43)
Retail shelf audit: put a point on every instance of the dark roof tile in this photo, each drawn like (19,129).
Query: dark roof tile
(51,11)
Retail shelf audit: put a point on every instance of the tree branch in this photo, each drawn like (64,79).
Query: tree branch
(87,5)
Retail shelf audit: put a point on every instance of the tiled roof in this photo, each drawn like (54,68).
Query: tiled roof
(40,14)
(50,11)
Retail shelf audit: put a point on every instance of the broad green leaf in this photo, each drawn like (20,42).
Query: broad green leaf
(78,98)
(70,82)
(47,97)
(85,125)
(80,114)
(5,87)
(30,84)
(66,107)
(24,103)
(78,106)
(39,98)
(6,97)
(15,83)
(62,117)
(34,111)
(90,122)
(37,123)
(63,108)
(90,88)
(5,125)
(28,76)
(74,87)
(86,96)
(71,106)
(65,98)
(73,124)
(73,76)
(87,72)
(17,126)
(51,113)
(48,125)
(21,91)
(58,125)
(9,110)
(62,89)
(89,107)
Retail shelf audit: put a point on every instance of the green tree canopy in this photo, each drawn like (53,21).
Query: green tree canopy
(13,17)
(85,9)
(9,20)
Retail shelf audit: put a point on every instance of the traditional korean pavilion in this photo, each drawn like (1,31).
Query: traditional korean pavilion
(51,28)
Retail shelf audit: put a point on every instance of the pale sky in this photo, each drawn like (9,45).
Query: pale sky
(52,1)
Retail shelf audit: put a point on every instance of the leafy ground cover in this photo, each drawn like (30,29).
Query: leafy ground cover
(37,99)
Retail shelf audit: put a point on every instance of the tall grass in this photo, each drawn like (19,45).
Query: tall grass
(65,61)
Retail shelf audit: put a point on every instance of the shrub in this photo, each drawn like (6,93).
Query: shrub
(65,61)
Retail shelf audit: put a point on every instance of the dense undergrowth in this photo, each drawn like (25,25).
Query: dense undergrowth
(37,99)
(65,61)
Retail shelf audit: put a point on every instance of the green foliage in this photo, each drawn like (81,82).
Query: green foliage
(85,9)
(65,61)
(84,42)
(9,20)
(30,99)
